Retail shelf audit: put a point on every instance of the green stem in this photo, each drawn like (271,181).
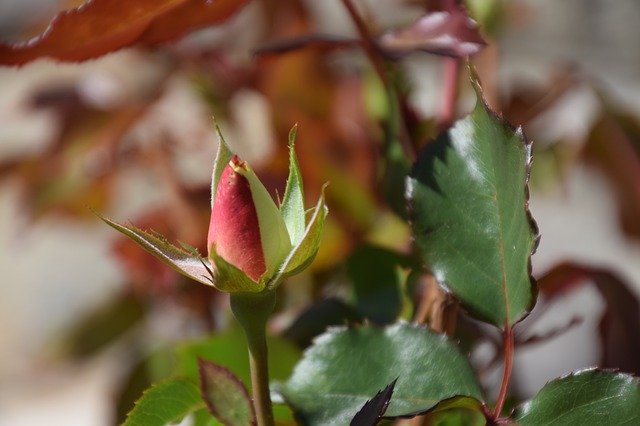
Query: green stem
(252,312)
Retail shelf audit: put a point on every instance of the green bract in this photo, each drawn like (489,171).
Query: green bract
(288,242)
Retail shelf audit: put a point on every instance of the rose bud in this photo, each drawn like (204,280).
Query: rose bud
(246,228)
(253,244)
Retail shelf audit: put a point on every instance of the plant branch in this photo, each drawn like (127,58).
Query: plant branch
(252,312)
(376,57)
(506,374)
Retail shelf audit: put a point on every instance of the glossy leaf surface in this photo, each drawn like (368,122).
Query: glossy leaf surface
(345,367)
(102,26)
(225,395)
(590,397)
(468,205)
(166,402)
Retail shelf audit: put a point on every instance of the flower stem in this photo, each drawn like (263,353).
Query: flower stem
(252,312)
(506,374)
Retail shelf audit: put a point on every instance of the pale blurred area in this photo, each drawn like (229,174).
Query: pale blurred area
(54,269)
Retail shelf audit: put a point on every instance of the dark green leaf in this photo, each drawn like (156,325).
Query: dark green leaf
(131,388)
(456,411)
(377,280)
(225,395)
(103,326)
(468,206)
(292,207)
(179,259)
(166,402)
(590,397)
(344,367)
(315,319)
(374,409)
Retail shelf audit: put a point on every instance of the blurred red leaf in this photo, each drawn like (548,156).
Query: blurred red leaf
(620,323)
(102,26)
(448,32)
(611,149)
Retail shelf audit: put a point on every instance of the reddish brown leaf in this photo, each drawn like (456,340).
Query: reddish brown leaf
(102,26)
(611,150)
(620,323)
(450,33)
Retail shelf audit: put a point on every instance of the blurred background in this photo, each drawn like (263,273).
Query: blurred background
(83,312)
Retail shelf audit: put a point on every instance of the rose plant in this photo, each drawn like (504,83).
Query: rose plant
(253,244)
(397,346)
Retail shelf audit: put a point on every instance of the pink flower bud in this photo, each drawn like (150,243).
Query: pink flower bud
(246,227)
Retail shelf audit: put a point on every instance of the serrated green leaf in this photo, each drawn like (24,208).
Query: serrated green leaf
(225,395)
(177,258)
(468,207)
(586,398)
(292,207)
(165,403)
(223,156)
(305,251)
(345,367)
(229,278)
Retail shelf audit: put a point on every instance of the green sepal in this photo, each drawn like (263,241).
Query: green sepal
(292,207)
(230,279)
(306,249)
(186,262)
(223,156)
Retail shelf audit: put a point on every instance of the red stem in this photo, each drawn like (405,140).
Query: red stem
(506,374)
(451,76)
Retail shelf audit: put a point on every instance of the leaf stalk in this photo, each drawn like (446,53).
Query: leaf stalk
(508,340)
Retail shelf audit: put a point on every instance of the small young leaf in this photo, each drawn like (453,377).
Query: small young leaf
(345,367)
(293,203)
(180,260)
(373,410)
(225,395)
(166,402)
(469,211)
(589,397)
